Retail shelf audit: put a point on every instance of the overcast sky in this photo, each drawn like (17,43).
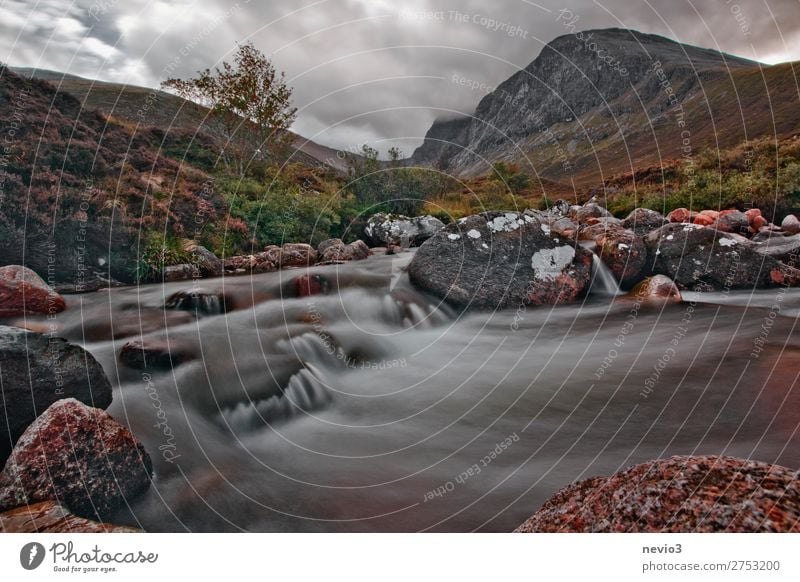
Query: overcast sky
(365,71)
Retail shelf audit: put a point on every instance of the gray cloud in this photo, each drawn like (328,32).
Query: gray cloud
(365,71)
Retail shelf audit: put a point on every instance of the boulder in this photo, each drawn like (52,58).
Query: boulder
(700,258)
(559,209)
(289,255)
(23,292)
(791,224)
(591,210)
(704,220)
(198,301)
(78,456)
(311,284)
(383,230)
(204,260)
(182,272)
(732,221)
(656,289)
(678,495)
(620,249)
(643,220)
(681,215)
(50,517)
(564,227)
(501,259)
(333,250)
(783,248)
(37,370)
(156,353)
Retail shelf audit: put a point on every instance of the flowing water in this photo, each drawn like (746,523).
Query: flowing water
(374,408)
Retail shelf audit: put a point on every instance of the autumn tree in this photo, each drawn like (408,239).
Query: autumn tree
(251,103)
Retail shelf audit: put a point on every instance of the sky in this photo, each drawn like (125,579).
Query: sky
(366,71)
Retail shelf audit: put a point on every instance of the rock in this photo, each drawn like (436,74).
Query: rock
(289,255)
(757,223)
(102,326)
(335,250)
(591,210)
(198,301)
(785,249)
(679,494)
(605,220)
(78,456)
(680,215)
(752,214)
(311,284)
(643,220)
(182,272)
(791,224)
(704,220)
(701,258)
(50,517)
(621,250)
(497,260)
(23,292)
(712,214)
(732,221)
(204,260)
(156,354)
(564,227)
(559,209)
(656,289)
(383,230)
(38,370)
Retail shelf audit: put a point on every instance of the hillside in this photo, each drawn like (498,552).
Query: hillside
(151,107)
(572,116)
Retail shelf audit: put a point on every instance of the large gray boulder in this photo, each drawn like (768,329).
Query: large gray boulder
(701,258)
(501,260)
(383,230)
(37,370)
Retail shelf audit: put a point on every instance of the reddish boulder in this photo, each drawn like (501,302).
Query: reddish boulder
(643,220)
(311,284)
(23,292)
(656,289)
(591,210)
(50,517)
(291,255)
(334,250)
(704,220)
(78,456)
(679,494)
(752,213)
(681,215)
(757,223)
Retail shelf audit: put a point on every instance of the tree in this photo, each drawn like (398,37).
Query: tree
(251,103)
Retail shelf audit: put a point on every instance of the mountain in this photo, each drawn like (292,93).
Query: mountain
(604,102)
(152,107)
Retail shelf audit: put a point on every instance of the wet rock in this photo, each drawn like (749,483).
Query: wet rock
(23,292)
(501,259)
(732,221)
(656,289)
(791,224)
(198,301)
(681,215)
(620,249)
(182,272)
(156,353)
(591,210)
(701,258)
(311,284)
(101,326)
(78,456)
(679,494)
(50,517)
(383,230)
(335,250)
(38,370)
(204,260)
(643,220)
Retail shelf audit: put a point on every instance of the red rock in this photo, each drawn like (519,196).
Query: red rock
(680,215)
(758,222)
(78,456)
(311,284)
(714,214)
(23,292)
(50,517)
(704,220)
(656,289)
(679,494)
(752,213)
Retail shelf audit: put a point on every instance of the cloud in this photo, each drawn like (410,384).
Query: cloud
(365,70)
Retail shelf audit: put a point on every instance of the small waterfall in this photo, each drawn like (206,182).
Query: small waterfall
(197,301)
(603,281)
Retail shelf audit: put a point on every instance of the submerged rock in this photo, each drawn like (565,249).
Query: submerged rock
(656,289)
(679,494)
(23,292)
(501,259)
(700,258)
(78,456)
(198,301)
(38,370)
(50,517)
(156,354)
(383,230)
